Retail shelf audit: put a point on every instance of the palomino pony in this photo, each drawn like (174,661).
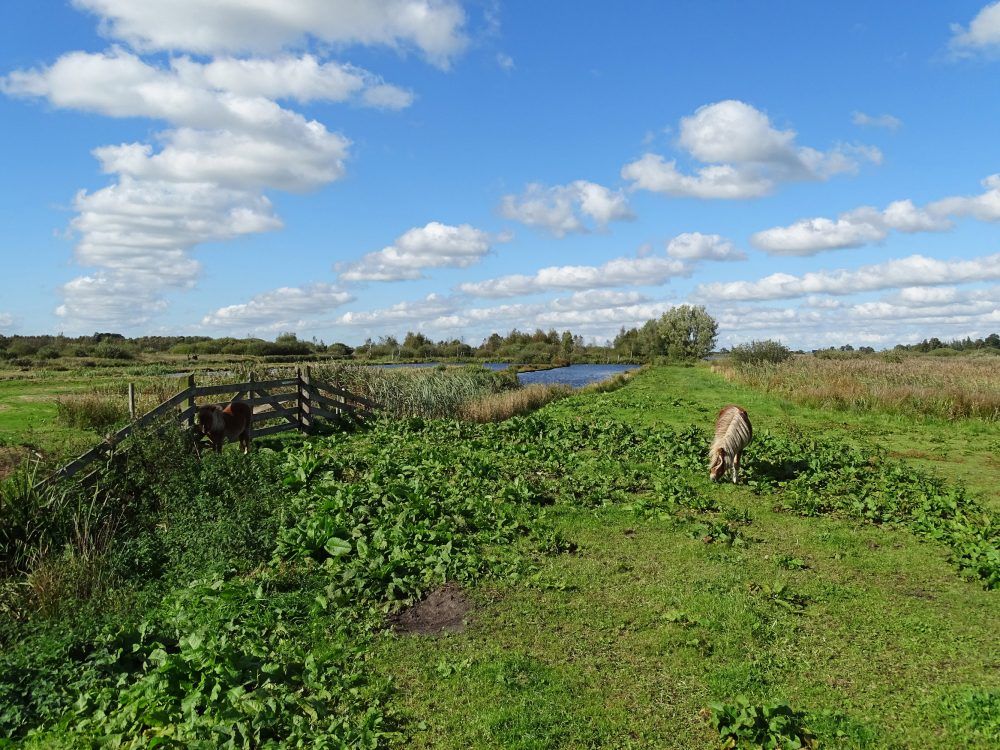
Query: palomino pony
(733,433)
(233,423)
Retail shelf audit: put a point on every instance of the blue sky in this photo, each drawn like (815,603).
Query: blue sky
(816,173)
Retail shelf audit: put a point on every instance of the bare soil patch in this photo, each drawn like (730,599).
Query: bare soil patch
(443,610)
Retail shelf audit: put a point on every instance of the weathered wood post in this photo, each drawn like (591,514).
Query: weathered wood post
(250,397)
(191,402)
(305,400)
(131,401)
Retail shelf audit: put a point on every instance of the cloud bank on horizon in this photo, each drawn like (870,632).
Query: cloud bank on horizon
(425,165)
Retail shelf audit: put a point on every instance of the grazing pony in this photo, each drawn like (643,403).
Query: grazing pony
(732,434)
(232,422)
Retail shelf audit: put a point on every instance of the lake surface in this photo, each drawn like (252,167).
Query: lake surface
(574,375)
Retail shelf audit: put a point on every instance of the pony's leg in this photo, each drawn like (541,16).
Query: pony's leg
(245,441)
(736,467)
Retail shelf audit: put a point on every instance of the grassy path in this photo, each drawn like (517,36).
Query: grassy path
(866,629)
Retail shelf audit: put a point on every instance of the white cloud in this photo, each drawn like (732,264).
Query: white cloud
(435,27)
(876,121)
(6,320)
(984,207)
(432,305)
(284,308)
(303,79)
(113,297)
(744,154)
(505,61)
(866,224)
(646,271)
(983,33)
(204,180)
(561,209)
(434,245)
(298,162)
(915,270)
(698,246)
(593,299)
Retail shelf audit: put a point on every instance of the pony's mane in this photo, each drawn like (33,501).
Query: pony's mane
(732,434)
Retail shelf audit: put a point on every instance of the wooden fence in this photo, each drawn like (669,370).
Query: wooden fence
(278,405)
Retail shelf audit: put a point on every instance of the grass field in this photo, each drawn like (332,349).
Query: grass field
(841,595)
(623,643)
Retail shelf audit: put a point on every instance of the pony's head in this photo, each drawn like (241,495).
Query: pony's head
(716,463)
(209,419)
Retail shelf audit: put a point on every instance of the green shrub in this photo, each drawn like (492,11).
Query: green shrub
(760,352)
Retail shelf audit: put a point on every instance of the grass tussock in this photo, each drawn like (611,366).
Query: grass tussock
(497,407)
(950,388)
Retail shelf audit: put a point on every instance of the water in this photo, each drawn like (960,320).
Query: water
(574,375)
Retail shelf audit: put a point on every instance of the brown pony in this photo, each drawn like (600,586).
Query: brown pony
(233,423)
(733,433)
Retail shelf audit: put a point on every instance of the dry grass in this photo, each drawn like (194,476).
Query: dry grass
(966,387)
(497,407)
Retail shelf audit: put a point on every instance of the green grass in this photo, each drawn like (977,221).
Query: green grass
(623,643)
(619,595)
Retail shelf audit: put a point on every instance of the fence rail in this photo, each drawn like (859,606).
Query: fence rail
(295,401)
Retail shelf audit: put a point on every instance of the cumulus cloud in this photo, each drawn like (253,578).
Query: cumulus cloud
(984,207)
(645,271)
(593,299)
(103,297)
(744,154)
(562,209)
(204,178)
(284,308)
(866,224)
(434,245)
(435,27)
(876,121)
(698,246)
(433,305)
(303,79)
(982,35)
(915,270)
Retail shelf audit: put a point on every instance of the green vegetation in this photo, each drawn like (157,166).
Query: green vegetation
(760,352)
(959,387)
(621,599)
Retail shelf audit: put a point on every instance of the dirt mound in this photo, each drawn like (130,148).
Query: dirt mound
(443,610)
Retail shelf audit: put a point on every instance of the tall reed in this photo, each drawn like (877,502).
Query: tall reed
(966,387)
(426,392)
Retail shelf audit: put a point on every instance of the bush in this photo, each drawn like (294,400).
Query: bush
(760,352)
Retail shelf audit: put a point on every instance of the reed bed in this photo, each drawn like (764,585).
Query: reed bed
(497,407)
(424,392)
(953,388)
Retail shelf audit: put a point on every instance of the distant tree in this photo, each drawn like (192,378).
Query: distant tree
(684,332)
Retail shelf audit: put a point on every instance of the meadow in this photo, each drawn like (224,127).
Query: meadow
(843,596)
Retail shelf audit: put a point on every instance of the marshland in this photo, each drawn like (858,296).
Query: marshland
(843,593)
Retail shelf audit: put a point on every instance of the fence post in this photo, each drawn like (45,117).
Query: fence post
(190,401)
(250,398)
(131,401)
(305,400)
